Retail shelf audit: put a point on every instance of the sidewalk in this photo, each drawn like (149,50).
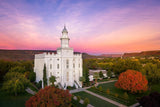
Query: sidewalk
(99,96)
(30,91)
(106,99)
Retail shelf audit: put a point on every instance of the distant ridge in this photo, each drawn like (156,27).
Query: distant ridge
(112,55)
(18,55)
(143,54)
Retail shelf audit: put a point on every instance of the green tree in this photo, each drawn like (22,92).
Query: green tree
(96,76)
(4,68)
(15,83)
(18,69)
(82,79)
(85,71)
(32,76)
(109,73)
(133,64)
(152,73)
(28,65)
(52,79)
(119,66)
(101,74)
(44,76)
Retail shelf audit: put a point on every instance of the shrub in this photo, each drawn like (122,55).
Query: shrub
(116,95)
(93,87)
(72,96)
(50,97)
(125,96)
(132,81)
(108,91)
(86,101)
(69,87)
(100,88)
(39,84)
(78,98)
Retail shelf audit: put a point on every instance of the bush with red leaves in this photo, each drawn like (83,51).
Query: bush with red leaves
(132,81)
(50,97)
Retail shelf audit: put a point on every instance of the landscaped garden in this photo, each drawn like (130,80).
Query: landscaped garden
(95,101)
(119,94)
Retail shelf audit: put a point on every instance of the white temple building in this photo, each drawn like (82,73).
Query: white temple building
(65,64)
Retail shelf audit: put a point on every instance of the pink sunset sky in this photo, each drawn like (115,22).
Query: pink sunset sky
(94,26)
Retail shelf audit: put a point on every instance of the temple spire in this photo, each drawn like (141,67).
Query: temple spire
(64,30)
(64,39)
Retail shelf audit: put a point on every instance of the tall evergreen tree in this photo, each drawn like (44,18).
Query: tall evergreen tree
(44,76)
(85,72)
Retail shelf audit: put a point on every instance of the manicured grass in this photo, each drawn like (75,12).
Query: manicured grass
(13,101)
(77,104)
(106,79)
(95,101)
(120,92)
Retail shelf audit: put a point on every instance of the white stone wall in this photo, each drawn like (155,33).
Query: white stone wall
(56,66)
(63,74)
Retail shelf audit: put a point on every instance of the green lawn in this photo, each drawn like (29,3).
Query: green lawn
(77,104)
(13,101)
(106,79)
(97,102)
(120,92)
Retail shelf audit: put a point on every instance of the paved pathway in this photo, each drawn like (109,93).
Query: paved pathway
(106,99)
(76,90)
(82,89)
(106,81)
(99,96)
(134,105)
(30,91)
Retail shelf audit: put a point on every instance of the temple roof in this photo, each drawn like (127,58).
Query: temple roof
(64,30)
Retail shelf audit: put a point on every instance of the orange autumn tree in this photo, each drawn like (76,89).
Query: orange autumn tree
(132,81)
(50,97)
